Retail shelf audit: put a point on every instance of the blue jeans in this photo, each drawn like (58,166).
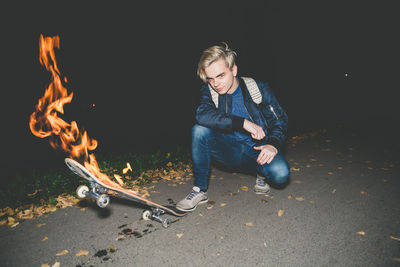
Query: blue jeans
(210,144)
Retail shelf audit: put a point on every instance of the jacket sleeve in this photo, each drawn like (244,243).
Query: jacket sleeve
(276,117)
(209,116)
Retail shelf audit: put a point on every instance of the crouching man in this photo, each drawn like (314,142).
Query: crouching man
(240,125)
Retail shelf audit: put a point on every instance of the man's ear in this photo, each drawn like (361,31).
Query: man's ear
(234,70)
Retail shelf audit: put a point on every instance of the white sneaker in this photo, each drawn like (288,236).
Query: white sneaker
(261,186)
(190,202)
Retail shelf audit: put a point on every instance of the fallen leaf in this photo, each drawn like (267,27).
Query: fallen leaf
(201,215)
(330,173)
(340,168)
(299,198)
(385,180)
(264,200)
(297,181)
(222,204)
(361,233)
(370,168)
(40,225)
(395,238)
(120,237)
(62,252)
(244,188)
(169,164)
(363,192)
(333,191)
(32,194)
(82,253)
(45,265)
(290,197)
(45,238)
(179,235)
(280,213)
(295,169)
(57,264)
(249,224)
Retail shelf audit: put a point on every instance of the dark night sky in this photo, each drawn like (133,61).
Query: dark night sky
(137,63)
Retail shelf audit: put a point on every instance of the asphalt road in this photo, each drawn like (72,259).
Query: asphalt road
(341,208)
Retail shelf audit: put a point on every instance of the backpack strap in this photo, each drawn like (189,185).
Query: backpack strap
(252,87)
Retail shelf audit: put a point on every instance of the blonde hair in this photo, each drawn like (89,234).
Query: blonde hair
(212,54)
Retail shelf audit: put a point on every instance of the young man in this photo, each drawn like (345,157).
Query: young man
(233,129)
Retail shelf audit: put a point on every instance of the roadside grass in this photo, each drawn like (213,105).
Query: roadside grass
(40,189)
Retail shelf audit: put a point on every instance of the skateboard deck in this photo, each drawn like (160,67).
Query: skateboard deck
(100,190)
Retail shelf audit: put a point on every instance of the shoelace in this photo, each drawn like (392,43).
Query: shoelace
(260,182)
(191,195)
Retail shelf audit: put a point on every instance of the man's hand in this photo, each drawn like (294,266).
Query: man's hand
(256,131)
(267,154)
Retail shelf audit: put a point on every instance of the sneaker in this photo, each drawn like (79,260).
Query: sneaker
(194,198)
(261,186)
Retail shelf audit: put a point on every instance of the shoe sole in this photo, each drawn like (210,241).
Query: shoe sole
(192,209)
(258,192)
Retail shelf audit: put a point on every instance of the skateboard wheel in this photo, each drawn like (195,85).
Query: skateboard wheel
(103,200)
(146,215)
(81,191)
(166,223)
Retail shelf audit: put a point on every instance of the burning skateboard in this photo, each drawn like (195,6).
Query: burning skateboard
(100,190)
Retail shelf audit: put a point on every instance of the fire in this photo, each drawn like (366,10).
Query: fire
(45,121)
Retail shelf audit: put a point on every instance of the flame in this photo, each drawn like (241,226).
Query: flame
(45,120)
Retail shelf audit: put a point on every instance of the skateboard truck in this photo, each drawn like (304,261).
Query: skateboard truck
(97,192)
(155,214)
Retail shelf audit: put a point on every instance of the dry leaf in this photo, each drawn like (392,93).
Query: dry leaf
(299,198)
(169,164)
(82,253)
(290,197)
(45,265)
(201,215)
(295,169)
(361,233)
(363,192)
(280,212)
(334,191)
(222,204)
(120,237)
(249,224)
(45,238)
(179,235)
(340,168)
(244,188)
(3,222)
(330,173)
(40,225)
(62,252)
(395,238)
(57,264)
(297,181)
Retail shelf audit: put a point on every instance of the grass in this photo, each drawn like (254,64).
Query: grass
(43,188)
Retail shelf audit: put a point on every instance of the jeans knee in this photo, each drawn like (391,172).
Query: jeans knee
(200,132)
(279,173)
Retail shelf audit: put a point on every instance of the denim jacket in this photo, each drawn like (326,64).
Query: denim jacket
(268,114)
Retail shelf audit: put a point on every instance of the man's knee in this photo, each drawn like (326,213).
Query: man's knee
(200,132)
(279,172)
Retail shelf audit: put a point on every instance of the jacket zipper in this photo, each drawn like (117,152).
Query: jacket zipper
(273,111)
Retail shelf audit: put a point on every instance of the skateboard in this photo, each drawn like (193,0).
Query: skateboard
(100,191)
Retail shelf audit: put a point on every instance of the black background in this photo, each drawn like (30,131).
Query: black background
(137,63)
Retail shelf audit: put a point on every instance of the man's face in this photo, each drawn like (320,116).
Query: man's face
(221,78)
